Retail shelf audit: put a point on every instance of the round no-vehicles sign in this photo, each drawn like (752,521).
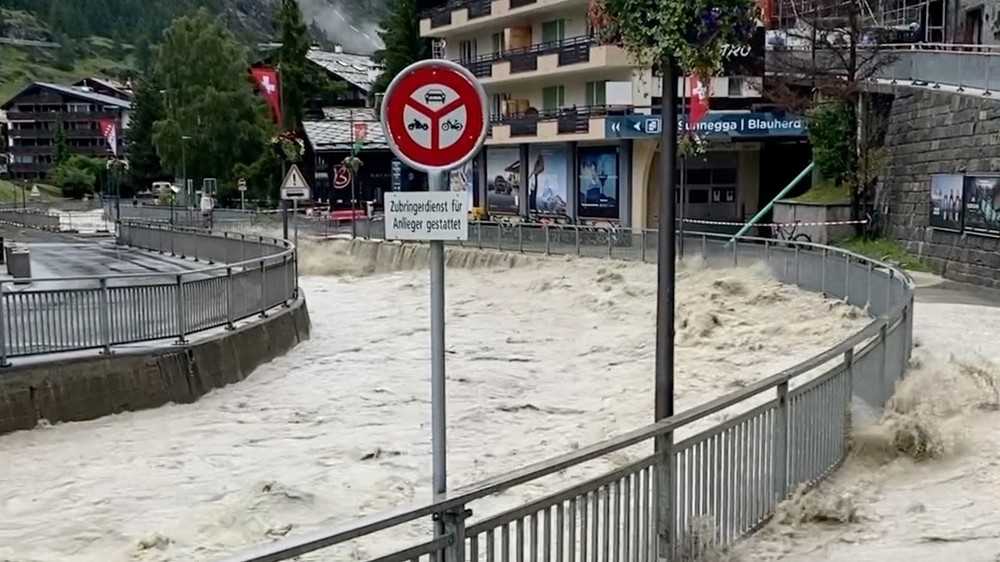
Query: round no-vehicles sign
(434,115)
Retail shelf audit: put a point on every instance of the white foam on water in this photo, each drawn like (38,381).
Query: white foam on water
(923,482)
(544,355)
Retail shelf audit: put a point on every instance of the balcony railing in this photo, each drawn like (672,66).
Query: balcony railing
(441,16)
(521,3)
(52,116)
(571,120)
(572,50)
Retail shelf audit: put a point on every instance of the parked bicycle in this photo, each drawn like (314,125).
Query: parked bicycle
(788,232)
(451,124)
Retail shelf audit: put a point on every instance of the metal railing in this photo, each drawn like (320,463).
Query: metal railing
(716,481)
(49,315)
(964,67)
(32,218)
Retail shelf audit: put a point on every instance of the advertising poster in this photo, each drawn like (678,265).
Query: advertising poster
(463,178)
(981,213)
(946,201)
(598,182)
(503,180)
(548,184)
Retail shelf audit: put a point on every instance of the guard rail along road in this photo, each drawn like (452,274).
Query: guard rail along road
(716,481)
(244,276)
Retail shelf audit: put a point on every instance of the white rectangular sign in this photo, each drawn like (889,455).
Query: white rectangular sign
(295,193)
(435,215)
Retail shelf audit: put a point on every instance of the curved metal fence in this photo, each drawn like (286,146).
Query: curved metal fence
(243,276)
(716,481)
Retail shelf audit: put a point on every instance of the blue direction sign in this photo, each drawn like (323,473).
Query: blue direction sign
(715,124)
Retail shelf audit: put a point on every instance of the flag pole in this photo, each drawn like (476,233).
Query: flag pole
(351,170)
(683,186)
(281,131)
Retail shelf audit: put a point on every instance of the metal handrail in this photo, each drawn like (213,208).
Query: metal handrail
(293,546)
(35,320)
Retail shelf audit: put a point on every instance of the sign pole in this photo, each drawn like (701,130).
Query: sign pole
(295,220)
(435,118)
(438,395)
(243,200)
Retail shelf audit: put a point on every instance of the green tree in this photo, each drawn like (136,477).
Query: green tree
(213,121)
(293,65)
(400,32)
(65,54)
(145,166)
(77,176)
(60,147)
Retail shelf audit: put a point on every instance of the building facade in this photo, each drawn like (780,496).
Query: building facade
(37,112)
(575,124)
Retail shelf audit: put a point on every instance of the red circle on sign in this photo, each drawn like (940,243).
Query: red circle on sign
(341,177)
(400,96)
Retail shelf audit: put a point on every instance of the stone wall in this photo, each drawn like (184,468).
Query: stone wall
(935,132)
(85,388)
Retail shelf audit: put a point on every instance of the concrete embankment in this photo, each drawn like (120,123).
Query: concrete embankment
(85,388)
(368,257)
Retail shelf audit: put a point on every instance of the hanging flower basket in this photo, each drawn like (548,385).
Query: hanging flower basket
(690,145)
(694,32)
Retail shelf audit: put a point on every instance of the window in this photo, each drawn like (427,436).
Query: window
(499,104)
(467,50)
(553,31)
(553,97)
(596,93)
(497,39)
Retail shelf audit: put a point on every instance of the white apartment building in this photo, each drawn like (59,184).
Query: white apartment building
(573,133)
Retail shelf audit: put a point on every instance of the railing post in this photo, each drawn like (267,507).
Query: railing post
(642,240)
(454,525)
(546,230)
(576,230)
(847,275)
(479,234)
(499,237)
(230,312)
(961,88)
(780,459)
(704,246)
(736,259)
(3,325)
(181,308)
(263,288)
(883,335)
(822,282)
(665,485)
(105,320)
(888,291)
(611,244)
(868,289)
(520,238)
(798,265)
(286,290)
(849,366)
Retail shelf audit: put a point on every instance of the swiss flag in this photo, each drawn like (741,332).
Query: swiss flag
(699,100)
(267,81)
(110,131)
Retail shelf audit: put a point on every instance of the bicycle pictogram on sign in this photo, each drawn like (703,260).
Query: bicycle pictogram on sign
(434,115)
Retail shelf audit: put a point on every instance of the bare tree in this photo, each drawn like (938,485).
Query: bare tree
(825,66)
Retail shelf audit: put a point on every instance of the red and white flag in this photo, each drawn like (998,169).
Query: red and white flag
(110,131)
(700,94)
(267,81)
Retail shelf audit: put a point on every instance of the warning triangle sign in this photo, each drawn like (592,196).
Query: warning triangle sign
(294,179)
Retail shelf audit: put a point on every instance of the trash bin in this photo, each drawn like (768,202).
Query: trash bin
(19,264)
(370,208)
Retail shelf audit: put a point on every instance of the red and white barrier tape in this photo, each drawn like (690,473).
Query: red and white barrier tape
(773,224)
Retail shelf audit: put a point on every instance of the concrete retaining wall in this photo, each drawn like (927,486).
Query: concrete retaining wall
(86,388)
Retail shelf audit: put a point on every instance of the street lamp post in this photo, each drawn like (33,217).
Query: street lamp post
(187,194)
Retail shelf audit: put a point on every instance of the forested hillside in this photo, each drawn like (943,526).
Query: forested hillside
(114,37)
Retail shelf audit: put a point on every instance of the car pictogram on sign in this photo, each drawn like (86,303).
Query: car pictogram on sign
(434,115)
(436,96)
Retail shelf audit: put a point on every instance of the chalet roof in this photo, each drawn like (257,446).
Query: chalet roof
(73,91)
(335,132)
(357,70)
